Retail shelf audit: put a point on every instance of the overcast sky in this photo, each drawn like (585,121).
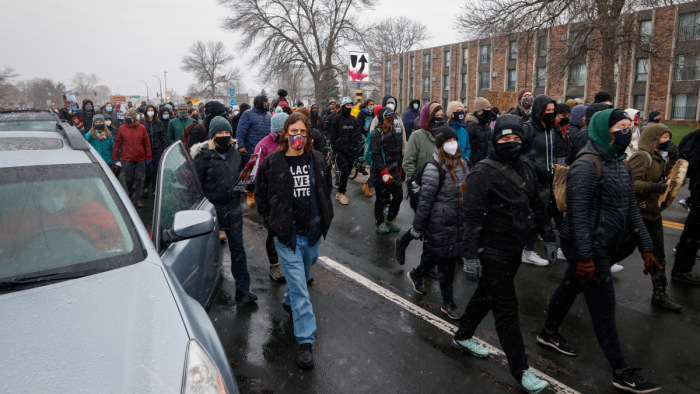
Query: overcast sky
(124,41)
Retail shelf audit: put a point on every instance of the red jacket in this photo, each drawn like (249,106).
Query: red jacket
(137,146)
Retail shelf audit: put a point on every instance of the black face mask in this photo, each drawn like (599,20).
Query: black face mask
(195,117)
(129,120)
(88,108)
(438,120)
(527,103)
(222,142)
(564,122)
(548,120)
(509,152)
(345,111)
(182,114)
(485,116)
(664,146)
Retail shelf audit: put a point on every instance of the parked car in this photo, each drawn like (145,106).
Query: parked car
(28,120)
(89,302)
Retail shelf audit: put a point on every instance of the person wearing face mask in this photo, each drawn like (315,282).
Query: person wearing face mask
(293,195)
(654,117)
(599,212)
(135,147)
(253,126)
(410,116)
(479,130)
(421,145)
(236,116)
(100,137)
(177,125)
(501,199)
(580,138)
(86,114)
(364,118)
(562,144)
(315,120)
(456,115)
(197,131)
(389,101)
(650,169)
(522,109)
(159,142)
(218,166)
(439,217)
(386,174)
(346,137)
(165,115)
(636,133)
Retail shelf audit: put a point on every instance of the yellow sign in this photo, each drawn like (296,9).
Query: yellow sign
(195,101)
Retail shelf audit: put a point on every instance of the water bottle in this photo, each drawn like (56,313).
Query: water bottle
(415,187)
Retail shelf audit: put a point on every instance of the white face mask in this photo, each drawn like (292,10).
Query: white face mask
(236,112)
(150,113)
(450,147)
(392,106)
(108,123)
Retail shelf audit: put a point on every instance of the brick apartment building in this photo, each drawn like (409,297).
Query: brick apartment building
(462,71)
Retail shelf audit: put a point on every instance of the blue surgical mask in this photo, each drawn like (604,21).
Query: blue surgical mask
(415,106)
(166,116)
(108,108)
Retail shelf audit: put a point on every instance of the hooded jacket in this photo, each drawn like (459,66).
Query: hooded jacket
(648,168)
(315,120)
(346,134)
(479,138)
(634,145)
(600,212)
(156,133)
(85,115)
(409,117)
(652,115)
(539,148)
(176,127)
(253,127)
(421,145)
(133,143)
(520,111)
(386,153)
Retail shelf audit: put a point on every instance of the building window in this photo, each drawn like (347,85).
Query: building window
(542,46)
(485,54)
(387,86)
(541,76)
(616,72)
(401,65)
(512,77)
(446,82)
(413,63)
(639,102)
(577,75)
(687,68)
(684,106)
(447,59)
(689,26)
(387,67)
(426,84)
(464,82)
(465,56)
(645,32)
(426,61)
(642,70)
(400,90)
(513,50)
(484,80)
(410,88)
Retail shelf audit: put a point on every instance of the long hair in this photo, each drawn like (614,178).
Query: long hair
(449,162)
(366,103)
(293,118)
(93,131)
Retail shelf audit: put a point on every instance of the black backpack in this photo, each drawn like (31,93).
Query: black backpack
(415,184)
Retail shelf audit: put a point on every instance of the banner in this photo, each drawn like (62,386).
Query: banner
(505,101)
(69,96)
(114,98)
(248,174)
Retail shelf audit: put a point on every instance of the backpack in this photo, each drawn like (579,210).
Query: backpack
(368,121)
(368,148)
(416,183)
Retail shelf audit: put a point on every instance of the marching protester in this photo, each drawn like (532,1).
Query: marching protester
(253,127)
(237,115)
(101,138)
(386,173)
(580,138)
(589,242)
(316,121)
(165,115)
(689,243)
(346,137)
(317,136)
(439,216)
(522,109)
(177,125)
(293,189)
(636,133)
(409,117)
(218,166)
(560,135)
(654,117)
(478,126)
(159,142)
(501,199)
(134,147)
(199,132)
(85,114)
(456,118)
(364,118)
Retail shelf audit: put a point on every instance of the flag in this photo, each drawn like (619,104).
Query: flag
(221,79)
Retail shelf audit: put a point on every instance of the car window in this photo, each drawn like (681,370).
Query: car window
(40,125)
(180,189)
(59,219)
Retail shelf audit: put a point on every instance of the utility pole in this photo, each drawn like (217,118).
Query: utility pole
(165,76)
(160,85)
(147,94)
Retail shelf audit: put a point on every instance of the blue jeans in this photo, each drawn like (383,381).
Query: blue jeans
(296,265)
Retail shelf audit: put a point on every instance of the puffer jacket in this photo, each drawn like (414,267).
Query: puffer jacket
(439,212)
(479,138)
(218,174)
(648,168)
(599,213)
(253,127)
(539,148)
(578,138)
(390,144)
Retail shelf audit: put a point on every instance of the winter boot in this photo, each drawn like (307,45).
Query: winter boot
(660,298)
(276,273)
(400,245)
(367,190)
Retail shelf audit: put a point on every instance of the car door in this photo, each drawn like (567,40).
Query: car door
(194,261)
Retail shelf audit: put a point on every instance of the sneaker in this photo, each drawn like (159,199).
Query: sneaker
(662,300)
(628,380)
(383,229)
(250,199)
(531,383)
(472,346)
(560,255)
(684,204)
(367,190)
(688,277)
(392,226)
(276,273)
(417,283)
(616,268)
(399,252)
(305,357)
(245,297)
(342,198)
(139,204)
(451,311)
(534,259)
(556,341)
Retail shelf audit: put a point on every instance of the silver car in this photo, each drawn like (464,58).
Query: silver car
(88,302)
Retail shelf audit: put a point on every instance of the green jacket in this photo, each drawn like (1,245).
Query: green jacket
(176,127)
(648,169)
(420,149)
(103,147)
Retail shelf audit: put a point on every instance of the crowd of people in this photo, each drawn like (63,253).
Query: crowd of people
(481,183)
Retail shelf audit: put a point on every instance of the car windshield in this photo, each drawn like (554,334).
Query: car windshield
(27,122)
(55,220)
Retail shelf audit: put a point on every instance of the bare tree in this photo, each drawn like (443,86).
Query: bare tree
(310,32)
(294,79)
(598,27)
(208,61)
(7,74)
(85,84)
(103,93)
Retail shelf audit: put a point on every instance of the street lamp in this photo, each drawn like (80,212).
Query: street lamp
(161,87)
(147,95)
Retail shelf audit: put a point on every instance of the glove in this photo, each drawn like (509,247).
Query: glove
(416,234)
(118,163)
(658,187)
(585,270)
(551,248)
(473,269)
(149,161)
(386,177)
(650,263)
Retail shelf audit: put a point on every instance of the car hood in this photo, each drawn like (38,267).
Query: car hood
(117,331)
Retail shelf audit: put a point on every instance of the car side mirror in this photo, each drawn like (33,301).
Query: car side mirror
(189,224)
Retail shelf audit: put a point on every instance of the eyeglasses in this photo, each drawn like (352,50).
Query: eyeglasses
(296,131)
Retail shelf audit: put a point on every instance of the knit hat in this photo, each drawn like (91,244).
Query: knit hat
(616,116)
(214,108)
(443,134)
(346,100)
(219,123)
(277,122)
(305,111)
(522,92)
(98,118)
(480,104)
(507,124)
(577,114)
(132,113)
(236,108)
(331,100)
(451,107)
(602,96)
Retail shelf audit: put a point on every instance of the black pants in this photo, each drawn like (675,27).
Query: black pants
(547,198)
(600,299)
(344,162)
(387,194)
(134,174)
(446,272)
(656,232)
(496,293)
(271,250)
(152,172)
(688,245)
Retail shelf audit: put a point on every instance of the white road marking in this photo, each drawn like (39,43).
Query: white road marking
(442,324)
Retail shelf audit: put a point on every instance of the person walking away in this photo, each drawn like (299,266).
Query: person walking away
(479,130)
(636,133)
(177,126)
(500,202)
(345,140)
(524,105)
(650,169)
(439,217)
(159,142)
(590,240)
(101,138)
(456,119)
(253,127)
(293,197)
(218,165)
(135,147)
(386,174)
(409,117)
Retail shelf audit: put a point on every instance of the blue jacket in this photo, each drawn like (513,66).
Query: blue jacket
(408,118)
(462,139)
(103,147)
(253,127)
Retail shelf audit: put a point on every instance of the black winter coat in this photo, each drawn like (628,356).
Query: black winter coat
(218,176)
(689,149)
(439,215)
(578,138)
(520,111)
(599,213)
(156,132)
(234,122)
(390,143)
(319,140)
(345,134)
(539,148)
(479,139)
(562,145)
(274,190)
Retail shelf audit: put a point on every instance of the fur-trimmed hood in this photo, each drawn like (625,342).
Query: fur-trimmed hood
(196,149)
